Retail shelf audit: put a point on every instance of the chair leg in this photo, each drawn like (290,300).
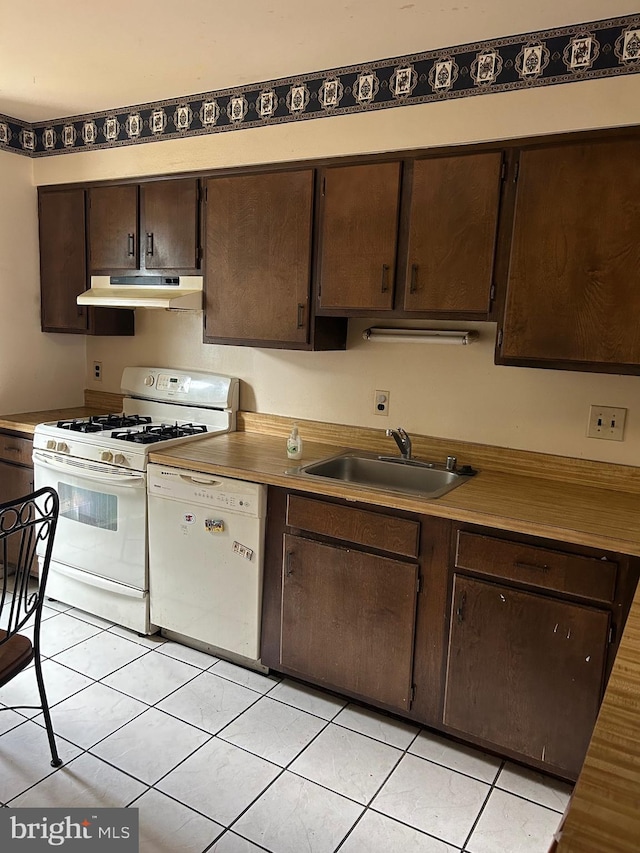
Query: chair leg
(56,761)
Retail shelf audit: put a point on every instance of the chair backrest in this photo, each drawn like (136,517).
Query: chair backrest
(27,529)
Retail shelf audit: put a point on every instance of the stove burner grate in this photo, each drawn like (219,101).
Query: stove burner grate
(158,432)
(98,423)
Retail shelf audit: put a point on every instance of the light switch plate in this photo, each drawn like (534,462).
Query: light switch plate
(606,422)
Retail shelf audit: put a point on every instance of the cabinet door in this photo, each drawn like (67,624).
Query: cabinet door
(258,257)
(358,236)
(63,267)
(15,482)
(169,211)
(453,220)
(348,619)
(525,672)
(573,294)
(113,228)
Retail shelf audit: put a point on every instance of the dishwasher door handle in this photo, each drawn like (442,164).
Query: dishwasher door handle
(189,479)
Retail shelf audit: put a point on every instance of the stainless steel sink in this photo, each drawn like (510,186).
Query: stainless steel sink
(389,473)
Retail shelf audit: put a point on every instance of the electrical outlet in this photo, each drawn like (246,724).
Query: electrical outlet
(380,402)
(97,371)
(606,422)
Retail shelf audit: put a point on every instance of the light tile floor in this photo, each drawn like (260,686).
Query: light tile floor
(219,758)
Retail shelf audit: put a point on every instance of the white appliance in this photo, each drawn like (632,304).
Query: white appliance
(206,536)
(98,467)
(144,291)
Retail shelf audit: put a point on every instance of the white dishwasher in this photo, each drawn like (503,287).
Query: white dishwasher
(206,540)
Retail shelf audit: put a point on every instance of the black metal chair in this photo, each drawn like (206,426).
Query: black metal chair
(27,529)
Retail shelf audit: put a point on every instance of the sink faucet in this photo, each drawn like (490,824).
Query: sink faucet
(402,440)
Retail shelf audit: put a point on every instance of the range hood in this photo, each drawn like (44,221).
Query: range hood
(144,291)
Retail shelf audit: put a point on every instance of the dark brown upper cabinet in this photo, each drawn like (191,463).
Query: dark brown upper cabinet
(258,248)
(411,239)
(113,228)
(169,217)
(357,240)
(573,290)
(151,226)
(451,227)
(63,269)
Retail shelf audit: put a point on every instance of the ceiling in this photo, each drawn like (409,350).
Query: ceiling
(74,57)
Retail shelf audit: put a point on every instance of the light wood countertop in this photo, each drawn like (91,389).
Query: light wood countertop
(95,403)
(26,422)
(604,812)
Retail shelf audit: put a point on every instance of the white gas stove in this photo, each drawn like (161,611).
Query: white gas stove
(98,466)
(161,408)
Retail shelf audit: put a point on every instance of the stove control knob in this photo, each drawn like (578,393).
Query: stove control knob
(120,459)
(106,456)
(62,446)
(149,380)
(51,444)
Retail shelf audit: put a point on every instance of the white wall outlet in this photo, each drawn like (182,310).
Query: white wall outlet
(380,402)
(606,422)
(97,371)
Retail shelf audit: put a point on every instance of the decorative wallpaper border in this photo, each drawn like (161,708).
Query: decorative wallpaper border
(578,52)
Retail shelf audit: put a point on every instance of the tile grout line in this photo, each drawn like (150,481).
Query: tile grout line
(484,804)
(368,805)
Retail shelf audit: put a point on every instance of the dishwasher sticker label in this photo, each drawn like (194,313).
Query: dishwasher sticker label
(245,552)
(214,525)
(189,518)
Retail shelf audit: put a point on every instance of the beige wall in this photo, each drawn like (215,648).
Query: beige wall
(37,371)
(445,391)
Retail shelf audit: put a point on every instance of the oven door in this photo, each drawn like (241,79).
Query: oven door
(103,517)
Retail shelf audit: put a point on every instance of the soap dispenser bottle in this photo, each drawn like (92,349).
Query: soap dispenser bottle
(294,444)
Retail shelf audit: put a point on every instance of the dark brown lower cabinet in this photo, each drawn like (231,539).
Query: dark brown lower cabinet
(348,619)
(500,639)
(15,481)
(524,671)
(16,472)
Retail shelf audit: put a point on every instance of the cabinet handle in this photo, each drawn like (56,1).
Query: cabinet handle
(385,278)
(460,608)
(519,565)
(149,242)
(413,282)
(288,569)
(300,315)
(132,245)
(11,449)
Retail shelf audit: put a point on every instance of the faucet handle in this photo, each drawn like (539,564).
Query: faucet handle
(451,463)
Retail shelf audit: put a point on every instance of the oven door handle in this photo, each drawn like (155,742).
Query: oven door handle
(85,471)
(97,581)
